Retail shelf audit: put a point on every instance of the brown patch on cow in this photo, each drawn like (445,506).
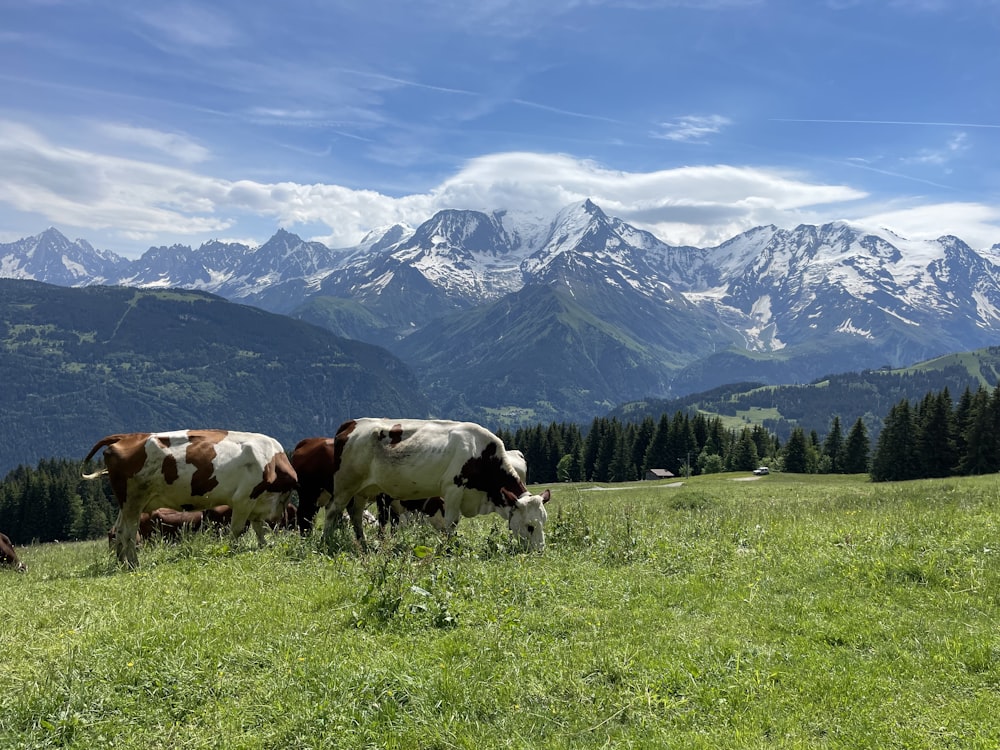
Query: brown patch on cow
(278,476)
(394,433)
(485,472)
(339,440)
(163,442)
(169,468)
(200,453)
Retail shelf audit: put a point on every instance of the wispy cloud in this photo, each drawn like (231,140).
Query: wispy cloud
(956,145)
(176,145)
(692,128)
(919,123)
(190,25)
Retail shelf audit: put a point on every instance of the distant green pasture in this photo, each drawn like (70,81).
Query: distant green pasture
(787,611)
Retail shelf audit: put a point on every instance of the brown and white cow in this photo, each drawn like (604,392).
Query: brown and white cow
(194,469)
(408,459)
(8,555)
(312,460)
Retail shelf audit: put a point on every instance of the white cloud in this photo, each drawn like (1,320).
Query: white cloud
(976,223)
(692,128)
(81,190)
(688,205)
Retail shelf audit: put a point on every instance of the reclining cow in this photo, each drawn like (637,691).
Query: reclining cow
(463,463)
(194,469)
(171,524)
(8,555)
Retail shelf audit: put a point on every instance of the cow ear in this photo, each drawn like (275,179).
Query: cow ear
(546,496)
(509,498)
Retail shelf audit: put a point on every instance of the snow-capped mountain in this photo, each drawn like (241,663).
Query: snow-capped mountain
(51,257)
(771,304)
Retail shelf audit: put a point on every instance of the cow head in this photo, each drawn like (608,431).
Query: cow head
(526,517)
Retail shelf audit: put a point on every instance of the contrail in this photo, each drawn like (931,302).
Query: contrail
(890,122)
(569,113)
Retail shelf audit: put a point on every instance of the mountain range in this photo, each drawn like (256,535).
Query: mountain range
(510,318)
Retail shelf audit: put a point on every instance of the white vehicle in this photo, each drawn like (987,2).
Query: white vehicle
(762,471)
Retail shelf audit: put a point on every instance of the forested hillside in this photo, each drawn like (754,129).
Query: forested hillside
(867,395)
(79,364)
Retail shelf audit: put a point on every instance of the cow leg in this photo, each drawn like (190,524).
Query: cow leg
(357,512)
(238,525)
(452,508)
(259,530)
(125,546)
(334,517)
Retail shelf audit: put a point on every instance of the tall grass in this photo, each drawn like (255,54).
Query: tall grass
(784,612)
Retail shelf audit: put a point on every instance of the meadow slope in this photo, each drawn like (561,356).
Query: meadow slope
(785,612)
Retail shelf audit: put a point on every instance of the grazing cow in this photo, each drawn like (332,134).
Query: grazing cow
(463,463)
(391,511)
(8,556)
(312,460)
(194,469)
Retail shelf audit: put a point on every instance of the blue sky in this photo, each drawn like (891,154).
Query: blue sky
(133,124)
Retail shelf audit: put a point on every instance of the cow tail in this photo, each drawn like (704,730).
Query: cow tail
(103,442)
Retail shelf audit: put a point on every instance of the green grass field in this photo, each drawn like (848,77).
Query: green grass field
(784,612)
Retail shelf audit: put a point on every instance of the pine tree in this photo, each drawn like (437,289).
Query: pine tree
(894,458)
(590,448)
(833,447)
(856,449)
(934,441)
(657,455)
(745,455)
(978,438)
(797,451)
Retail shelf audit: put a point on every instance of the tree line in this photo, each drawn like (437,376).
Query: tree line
(53,503)
(936,437)
(685,444)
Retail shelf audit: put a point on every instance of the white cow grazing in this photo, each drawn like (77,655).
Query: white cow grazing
(194,469)
(463,463)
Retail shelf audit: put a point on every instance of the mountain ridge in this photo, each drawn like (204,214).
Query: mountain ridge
(766,304)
